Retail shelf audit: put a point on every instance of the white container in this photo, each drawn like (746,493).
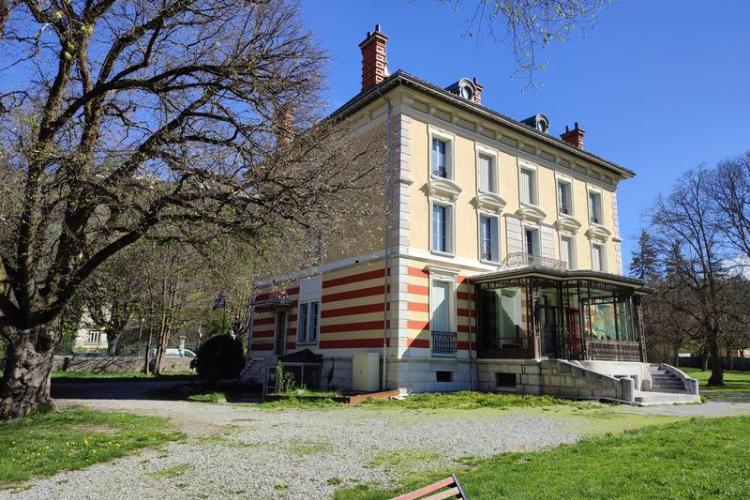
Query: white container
(366,372)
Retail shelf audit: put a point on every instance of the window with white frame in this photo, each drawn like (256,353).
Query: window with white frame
(489,247)
(595,207)
(532,242)
(307,323)
(94,336)
(442,228)
(598,259)
(564,197)
(528,186)
(441,158)
(567,252)
(487,174)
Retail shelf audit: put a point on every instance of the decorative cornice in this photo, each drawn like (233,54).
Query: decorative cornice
(598,232)
(443,188)
(531,213)
(489,201)
(568,223)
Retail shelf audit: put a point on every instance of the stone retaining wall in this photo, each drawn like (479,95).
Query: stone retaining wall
(114,364)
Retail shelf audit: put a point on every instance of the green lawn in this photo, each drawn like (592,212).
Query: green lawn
(73,438)
(464,400)
(699,458)
(734,381)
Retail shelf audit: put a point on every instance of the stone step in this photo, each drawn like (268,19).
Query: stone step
(660,398)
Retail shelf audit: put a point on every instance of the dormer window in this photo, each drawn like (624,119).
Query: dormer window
(467,92)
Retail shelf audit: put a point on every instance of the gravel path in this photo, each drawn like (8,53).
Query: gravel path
(238,452)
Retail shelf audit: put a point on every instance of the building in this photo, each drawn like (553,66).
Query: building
(499,267)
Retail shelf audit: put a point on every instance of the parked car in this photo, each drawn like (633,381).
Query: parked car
(174,353)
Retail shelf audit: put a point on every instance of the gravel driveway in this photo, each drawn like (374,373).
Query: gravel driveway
(242,451)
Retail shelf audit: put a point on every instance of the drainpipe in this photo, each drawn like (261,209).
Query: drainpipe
(386,196)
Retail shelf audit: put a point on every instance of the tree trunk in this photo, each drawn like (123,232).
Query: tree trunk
(25,387)
(717,371)
(112,340)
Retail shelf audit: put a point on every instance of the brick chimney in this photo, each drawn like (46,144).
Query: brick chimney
(478,88)
(573,137)
(374,59)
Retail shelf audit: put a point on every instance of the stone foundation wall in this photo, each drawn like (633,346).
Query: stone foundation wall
(114,364)
(552,377)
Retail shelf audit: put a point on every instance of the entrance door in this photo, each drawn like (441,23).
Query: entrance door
(280,335)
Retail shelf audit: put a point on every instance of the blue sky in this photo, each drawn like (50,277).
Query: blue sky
(659,86)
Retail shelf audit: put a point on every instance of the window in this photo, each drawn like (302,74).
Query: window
(528,186)
(442,228)
(595,207)
(307,323)
(489,249)
(532,242)
(94,337)
(487,174)
(443,376)
(567,252)
(598,262)
(441,158)
(505,379)
(564,205)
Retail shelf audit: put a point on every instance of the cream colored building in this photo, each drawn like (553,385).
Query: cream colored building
(501,265)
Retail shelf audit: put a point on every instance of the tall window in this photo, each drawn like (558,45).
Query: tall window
(564,205)
(487,174)
(595,207)
(488,238)
(528,186)
(440,301)
(442,225)
(307,323)
(566,252)
(440,158)
(597,257)
(532,242)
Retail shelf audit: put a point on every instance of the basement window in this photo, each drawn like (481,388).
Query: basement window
(444,376)
(505,379)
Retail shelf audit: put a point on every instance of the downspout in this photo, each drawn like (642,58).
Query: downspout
(386,196)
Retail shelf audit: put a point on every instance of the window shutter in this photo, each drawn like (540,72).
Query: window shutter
(565,251)
(494,239)
(596,257)
(514,234)
(548,242)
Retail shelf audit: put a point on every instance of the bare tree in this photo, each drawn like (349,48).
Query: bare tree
(128,115)
(529,26)
(730,189)
(687,234)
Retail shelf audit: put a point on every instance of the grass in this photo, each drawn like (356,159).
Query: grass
(305,448)
(89,376)
(211,397)
(404,460)
(734,381)
(699,458)
(46,443)
(464,400)
(170,472)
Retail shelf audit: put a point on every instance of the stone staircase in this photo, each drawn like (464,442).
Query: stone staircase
(668,386)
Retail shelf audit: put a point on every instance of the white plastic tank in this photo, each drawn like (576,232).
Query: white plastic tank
(366,372)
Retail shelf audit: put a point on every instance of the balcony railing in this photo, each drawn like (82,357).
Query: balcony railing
(522,259)
(444,342)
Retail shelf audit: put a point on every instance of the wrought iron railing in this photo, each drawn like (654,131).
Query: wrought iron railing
(444,342)
(522,259)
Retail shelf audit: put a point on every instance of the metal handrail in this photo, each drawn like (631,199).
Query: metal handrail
(521,259)
(444,342)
